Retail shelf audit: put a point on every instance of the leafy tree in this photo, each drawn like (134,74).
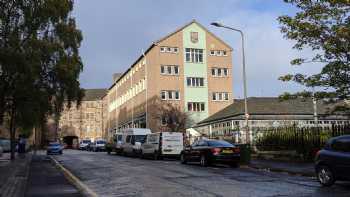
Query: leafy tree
(324,27)
(174,119)
(39,61)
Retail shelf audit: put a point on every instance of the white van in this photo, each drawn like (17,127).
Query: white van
(163,144)
(132,139)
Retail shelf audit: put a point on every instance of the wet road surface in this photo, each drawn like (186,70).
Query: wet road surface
(112,175)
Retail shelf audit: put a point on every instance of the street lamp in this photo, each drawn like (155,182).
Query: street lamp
(246,115)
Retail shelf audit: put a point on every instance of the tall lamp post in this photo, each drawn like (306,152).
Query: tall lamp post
(246,115)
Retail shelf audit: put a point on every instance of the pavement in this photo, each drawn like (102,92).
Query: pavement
(295,168)
(33,175)
(112,175)
(47,180)
(14,175)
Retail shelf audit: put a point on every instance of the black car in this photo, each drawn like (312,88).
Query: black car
(208,152)
(333,161)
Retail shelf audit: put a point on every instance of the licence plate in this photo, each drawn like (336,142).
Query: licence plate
(227,151)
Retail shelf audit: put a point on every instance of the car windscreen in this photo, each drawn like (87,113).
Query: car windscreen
(101,142)
(140,138)
(54,144)
(219,143)
(86,141)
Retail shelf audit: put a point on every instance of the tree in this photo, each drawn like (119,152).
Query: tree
(39,61)
(323,26)
(173,118)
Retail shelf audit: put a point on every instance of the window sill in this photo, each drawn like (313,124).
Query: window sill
(175,75)
(196,87)
(219,76)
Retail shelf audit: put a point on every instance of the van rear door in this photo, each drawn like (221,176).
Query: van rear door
(172,143)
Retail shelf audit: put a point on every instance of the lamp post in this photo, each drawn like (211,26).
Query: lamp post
(246,115)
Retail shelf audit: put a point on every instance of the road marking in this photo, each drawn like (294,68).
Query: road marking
(84,189)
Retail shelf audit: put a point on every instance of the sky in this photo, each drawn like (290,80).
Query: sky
(115,33)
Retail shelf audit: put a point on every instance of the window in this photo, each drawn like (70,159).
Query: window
(167,49)
(214,97)
(194,55)
(163,121)
(170,95)
(128,139)
(169,69)
(225,72)
(218,53)
(202,143)
(176,70)
(220,96)
(163,95)
(219,72)
(341,145)
(226,96)
(195,106)
(195,81)
(177,95)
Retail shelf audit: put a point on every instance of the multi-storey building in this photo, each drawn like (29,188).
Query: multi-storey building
(190,68)
(86,121)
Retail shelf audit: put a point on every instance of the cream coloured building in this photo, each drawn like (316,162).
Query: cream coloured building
(190,68)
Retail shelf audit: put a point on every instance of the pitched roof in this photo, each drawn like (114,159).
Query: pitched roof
(94,94)
(271,106)
(162,39)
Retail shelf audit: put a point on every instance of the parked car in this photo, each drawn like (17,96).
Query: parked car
(208,152)
(1,151)
(116,144)
(84,144)
(98,145)
(163,144)
(333,161)
(6,145)
(54,148)
(132,140)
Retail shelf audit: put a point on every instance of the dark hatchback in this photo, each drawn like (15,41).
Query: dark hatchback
(333,161)
(208,152)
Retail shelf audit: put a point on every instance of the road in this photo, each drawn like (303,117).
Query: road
(112,175)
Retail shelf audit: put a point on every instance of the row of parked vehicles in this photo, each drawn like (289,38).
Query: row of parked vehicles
(145,144)
(96,146)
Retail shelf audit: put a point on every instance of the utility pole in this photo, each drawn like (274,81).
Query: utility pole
(246,114)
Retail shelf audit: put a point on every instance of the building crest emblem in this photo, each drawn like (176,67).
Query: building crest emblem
(194,37)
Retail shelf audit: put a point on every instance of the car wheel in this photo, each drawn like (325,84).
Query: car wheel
(325,176)
(183,158)
(155,156)
(61,152)
(141,156)
(204,161)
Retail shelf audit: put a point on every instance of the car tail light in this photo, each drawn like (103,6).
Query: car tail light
(216,151)
(236,150)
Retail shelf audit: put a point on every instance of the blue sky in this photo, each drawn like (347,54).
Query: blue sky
(116,31)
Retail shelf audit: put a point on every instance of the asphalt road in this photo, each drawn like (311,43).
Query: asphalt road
(111,175)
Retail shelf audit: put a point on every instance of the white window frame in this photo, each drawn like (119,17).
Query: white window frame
(194,55)
(195,82)
(196,106)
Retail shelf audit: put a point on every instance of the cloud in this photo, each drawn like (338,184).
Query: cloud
(115,32)
(268,54)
